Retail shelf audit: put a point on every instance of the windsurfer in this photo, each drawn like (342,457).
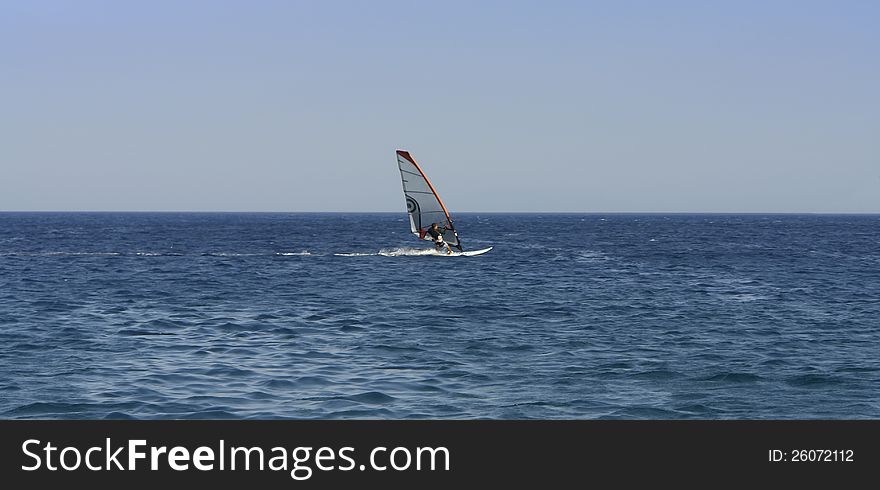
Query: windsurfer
(437,237)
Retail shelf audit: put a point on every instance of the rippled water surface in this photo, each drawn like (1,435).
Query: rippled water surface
(106,315)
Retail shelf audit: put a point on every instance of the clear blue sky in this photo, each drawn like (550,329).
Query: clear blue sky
(631,106)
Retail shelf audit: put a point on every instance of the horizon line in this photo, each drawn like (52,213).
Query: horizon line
(458,212)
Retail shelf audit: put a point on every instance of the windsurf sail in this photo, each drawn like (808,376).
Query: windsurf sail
(423,204)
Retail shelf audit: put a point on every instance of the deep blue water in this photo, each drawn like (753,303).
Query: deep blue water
(169,315)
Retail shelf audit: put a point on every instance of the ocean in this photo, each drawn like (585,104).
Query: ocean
(344,316)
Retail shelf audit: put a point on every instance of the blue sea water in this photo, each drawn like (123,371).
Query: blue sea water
(574,316)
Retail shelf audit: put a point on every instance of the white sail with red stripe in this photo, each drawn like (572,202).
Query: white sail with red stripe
(423,204)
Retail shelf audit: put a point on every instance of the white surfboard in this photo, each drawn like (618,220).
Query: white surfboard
(471,253)
(466,253)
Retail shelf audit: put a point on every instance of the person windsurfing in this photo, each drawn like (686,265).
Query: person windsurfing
(436,235)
